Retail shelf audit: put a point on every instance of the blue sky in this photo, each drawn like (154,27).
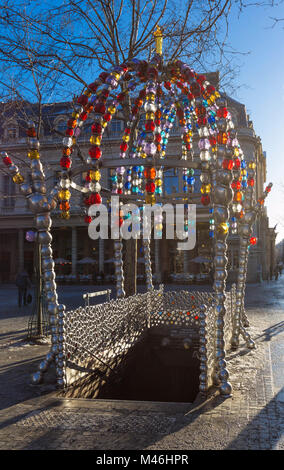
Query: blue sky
(262,74)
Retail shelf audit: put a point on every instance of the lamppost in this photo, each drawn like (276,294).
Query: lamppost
(37,325)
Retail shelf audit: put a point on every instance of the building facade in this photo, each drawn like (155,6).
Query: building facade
(71,242)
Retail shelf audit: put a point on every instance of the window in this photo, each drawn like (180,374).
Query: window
(8,192)
(11,131)
(115,127)
(171,181)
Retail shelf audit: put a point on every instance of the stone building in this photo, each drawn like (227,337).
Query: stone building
(70,237)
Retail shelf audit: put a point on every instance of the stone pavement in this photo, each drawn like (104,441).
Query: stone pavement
(36,417)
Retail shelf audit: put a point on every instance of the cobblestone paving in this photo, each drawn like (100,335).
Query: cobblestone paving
(253,418)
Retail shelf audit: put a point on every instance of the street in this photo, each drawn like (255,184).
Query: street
(37,417)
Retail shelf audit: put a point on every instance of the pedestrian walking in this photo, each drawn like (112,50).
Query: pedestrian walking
(23,283)
(276,273)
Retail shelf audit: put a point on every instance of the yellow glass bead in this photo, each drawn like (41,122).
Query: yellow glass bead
(217,94)
(214,149)
(33,154)
(244,172)
(104,123)
(237,152)
(143,155)
(75,115)
(95,140)
(111,109)
(150,199)
(139,148)
(88,93)
(73,140)
(150,97)
(224,228)
(163,153)
(158,182)
(203,189)
(65,215)
(115,75)
(95,175)
(252,165)
(18,178)
(150,116)
(159,226)
(64,195)
(126,138)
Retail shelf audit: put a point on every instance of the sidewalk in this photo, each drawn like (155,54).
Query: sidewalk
(35,417)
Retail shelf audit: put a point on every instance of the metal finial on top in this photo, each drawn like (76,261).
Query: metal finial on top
(158,34)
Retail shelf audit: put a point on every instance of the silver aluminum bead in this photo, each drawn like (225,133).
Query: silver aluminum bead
(37,378)
(39,186)
(25,189)
(44,237)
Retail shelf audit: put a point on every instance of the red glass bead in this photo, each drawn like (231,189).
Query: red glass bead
(228,164)
(31,132)
(95,152)
(150,187)
(88,219)
(202,121)
(120,221)
(65,162)
(201,78)
(205,199)
(96,128)
(71,123)
(83,116)
(93,87)
(69,132)
(97,198)
(253,240)
(237,163)
(195,89)
(157,122)
(212,140)
(149,126)
(7,161)
(222,112)
(251,182)
(100,108)
(107,117)
(123,146)
(83,100)
(210,89)
(158,138)
(127,131)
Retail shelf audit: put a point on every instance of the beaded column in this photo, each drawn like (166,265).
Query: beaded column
(222,197)
(203,377)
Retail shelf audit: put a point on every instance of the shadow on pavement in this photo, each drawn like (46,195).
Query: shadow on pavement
(271,414)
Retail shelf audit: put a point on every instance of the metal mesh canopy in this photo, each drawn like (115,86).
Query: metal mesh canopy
(101,335)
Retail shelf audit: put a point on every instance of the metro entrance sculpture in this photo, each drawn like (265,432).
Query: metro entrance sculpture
(162,92)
